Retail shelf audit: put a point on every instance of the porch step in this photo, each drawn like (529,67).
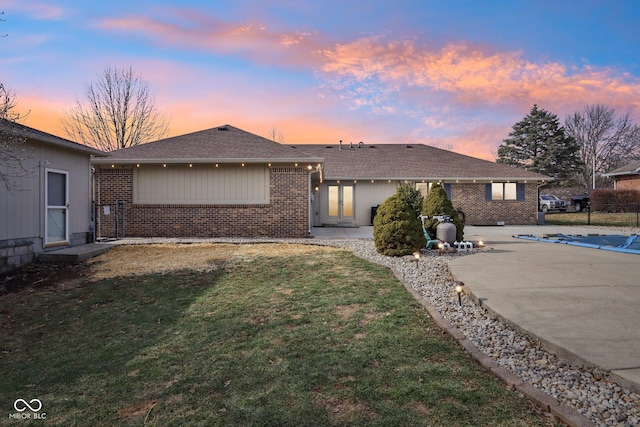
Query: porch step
(342,225)
(75,253)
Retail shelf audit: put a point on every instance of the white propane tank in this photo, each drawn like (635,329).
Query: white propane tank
(446,232)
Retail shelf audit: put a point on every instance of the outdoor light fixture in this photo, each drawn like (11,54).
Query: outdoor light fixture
(459,287)
(480,244)
(416,256)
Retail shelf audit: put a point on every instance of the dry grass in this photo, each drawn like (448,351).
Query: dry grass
(136,260)
(287,335)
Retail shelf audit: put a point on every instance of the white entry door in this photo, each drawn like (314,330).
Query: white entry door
(57,197)
(341,203)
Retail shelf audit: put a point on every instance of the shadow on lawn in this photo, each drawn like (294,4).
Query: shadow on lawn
(67,347)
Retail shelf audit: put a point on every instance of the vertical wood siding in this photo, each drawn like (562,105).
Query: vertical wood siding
(201,184)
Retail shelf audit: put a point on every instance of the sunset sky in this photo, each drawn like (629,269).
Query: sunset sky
(454,74)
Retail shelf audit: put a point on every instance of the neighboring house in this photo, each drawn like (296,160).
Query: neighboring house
(50,206)
(626,177)
(225,182)
(358,177)
(220,182)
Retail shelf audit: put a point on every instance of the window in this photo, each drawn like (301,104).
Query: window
(505,191)
(423,187)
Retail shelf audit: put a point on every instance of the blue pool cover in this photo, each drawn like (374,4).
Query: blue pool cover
(607,242)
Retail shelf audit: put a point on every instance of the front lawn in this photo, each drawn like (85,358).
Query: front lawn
(322,338)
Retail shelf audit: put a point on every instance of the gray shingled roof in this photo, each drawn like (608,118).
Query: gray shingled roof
(415,161)
(220,144)
(380,161)
(7,126)
(630,169)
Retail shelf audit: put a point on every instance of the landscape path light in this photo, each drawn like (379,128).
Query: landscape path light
(416,256)
(459,287)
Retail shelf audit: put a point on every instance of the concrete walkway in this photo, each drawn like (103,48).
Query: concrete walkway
(583,304)
(76,253)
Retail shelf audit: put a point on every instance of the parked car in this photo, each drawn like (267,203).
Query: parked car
(549,202)
(580,203)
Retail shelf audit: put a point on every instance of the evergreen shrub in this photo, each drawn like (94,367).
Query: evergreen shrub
(396,227)
(437,203)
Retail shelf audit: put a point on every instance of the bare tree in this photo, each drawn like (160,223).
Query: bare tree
(606,141)
(276,135)
(14,153)
(443,146)
(118,112)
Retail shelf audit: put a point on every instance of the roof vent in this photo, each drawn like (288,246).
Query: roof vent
(223,127)
(328,146)
(372,146)
(360,144)
(409,146)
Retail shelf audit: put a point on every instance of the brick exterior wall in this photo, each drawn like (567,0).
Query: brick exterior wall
(628,182)
(286,215)
(479,211)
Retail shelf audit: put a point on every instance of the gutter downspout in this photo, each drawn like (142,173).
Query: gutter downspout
(538,199)
(310,199)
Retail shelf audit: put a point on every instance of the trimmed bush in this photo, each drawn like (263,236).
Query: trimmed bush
(437,203)
(615,200)
(412,196)
(396,227)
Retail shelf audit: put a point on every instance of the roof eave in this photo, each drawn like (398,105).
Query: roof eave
(613,174)
(109,161)
(433,178)
(70,146)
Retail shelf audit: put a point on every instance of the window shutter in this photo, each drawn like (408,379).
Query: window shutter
(520,191)
(447,189)
(487,192)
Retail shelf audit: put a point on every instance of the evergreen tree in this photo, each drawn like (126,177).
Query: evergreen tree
(437,203)
(539,143)
(396,227)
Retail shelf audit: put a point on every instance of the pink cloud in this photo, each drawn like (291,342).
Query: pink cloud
(373,72)
(40,11)
(447,91)
(197,30)
(470,75)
